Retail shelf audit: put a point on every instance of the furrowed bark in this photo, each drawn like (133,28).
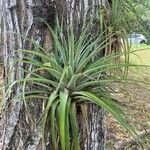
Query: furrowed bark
(19,21)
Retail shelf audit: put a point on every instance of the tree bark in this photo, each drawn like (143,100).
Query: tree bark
(20,17)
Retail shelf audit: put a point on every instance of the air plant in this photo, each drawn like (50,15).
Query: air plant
(65,79)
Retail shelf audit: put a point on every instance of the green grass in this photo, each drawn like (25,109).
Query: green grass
(142,56)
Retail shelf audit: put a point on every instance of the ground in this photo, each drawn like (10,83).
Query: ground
(136,101)
(137,109)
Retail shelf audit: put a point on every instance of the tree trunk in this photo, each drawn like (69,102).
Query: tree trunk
(18,22)
(19,17)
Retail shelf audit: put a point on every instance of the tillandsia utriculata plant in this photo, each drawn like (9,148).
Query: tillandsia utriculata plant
(65,79)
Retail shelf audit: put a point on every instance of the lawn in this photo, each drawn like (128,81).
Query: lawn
(142,55)
(136,100)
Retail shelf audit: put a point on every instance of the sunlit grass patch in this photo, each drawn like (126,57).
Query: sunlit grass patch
(142,55)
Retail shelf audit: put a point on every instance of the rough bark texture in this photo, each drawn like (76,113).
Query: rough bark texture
(20,17)
(95,139)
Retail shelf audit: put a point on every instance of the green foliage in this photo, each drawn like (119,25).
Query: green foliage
(124,17)
(71,75)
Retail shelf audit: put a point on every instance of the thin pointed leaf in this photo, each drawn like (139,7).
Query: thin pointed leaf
(63,118)
(108,107)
